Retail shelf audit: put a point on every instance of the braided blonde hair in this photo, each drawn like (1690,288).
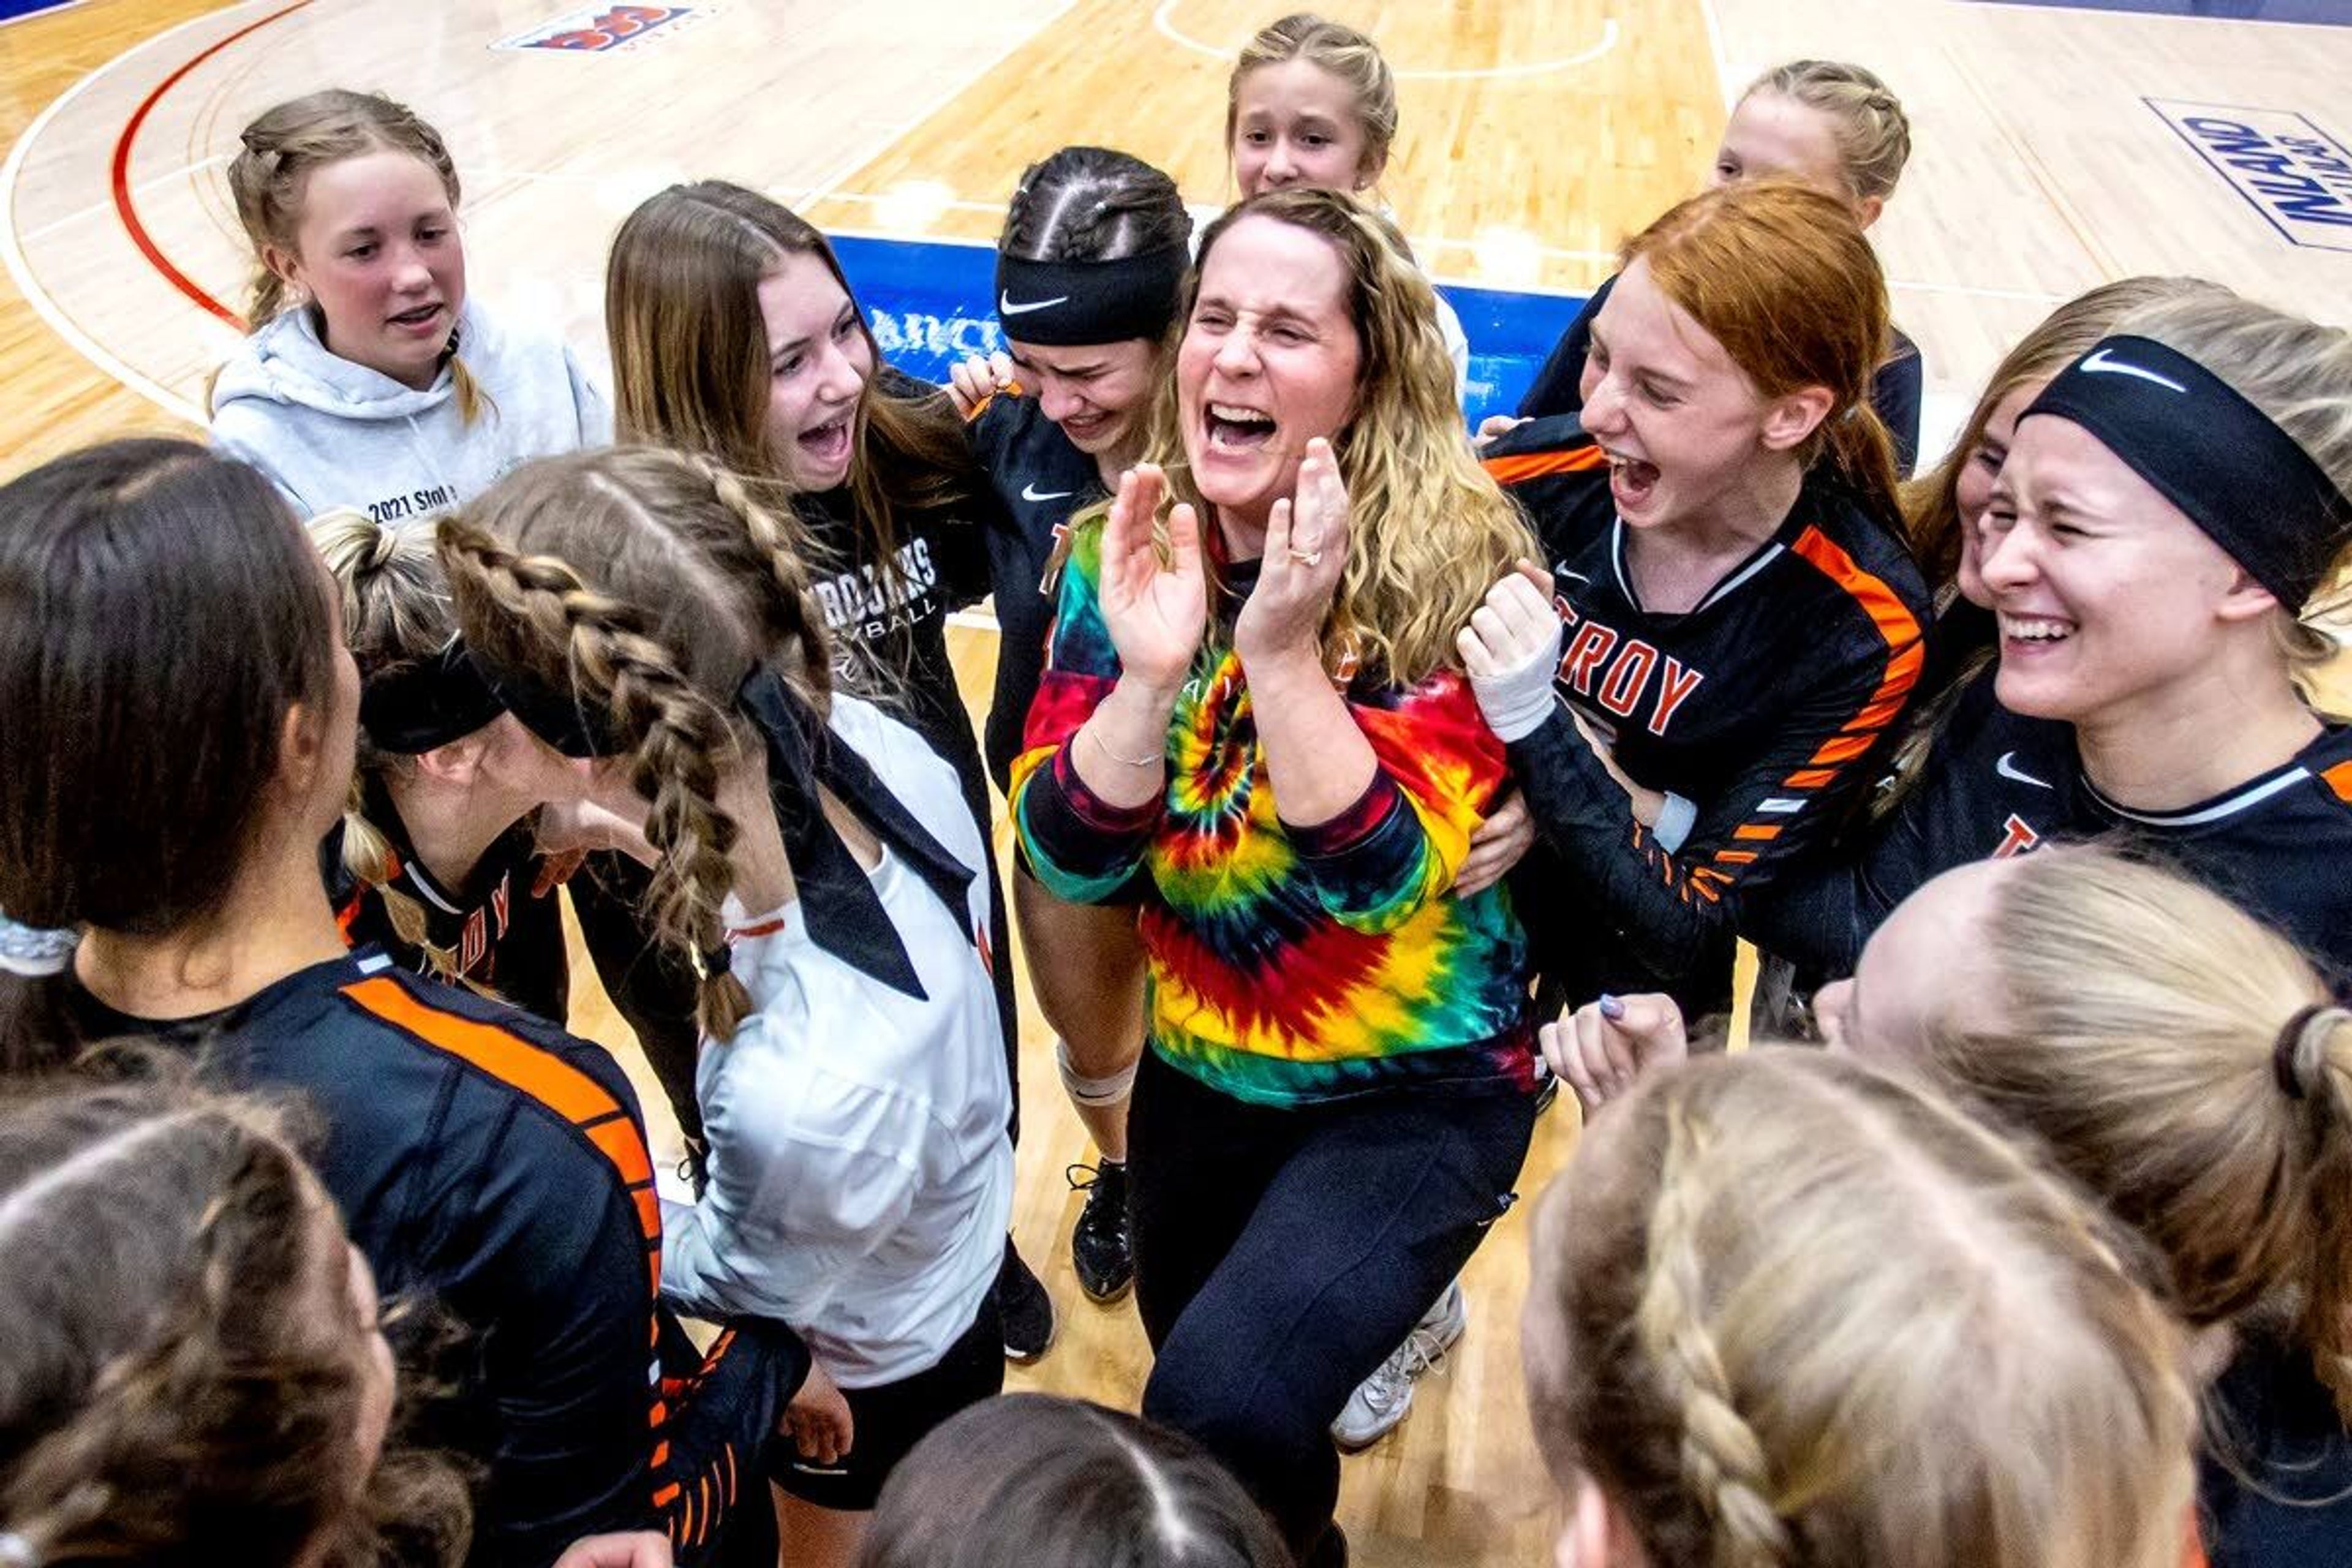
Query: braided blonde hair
(183,1376)
(1867,119)
(288,143)
(1787,1310)
(396,609)
(647,584)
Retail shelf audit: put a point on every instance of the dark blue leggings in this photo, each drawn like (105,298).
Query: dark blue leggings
(1280,1255)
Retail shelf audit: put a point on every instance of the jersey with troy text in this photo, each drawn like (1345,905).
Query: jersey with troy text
(492,935)
(1769,705)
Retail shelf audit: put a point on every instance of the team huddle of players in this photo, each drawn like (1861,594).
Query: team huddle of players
(1366,776)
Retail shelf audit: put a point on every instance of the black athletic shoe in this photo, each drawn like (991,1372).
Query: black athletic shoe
(1027,1310)
(1101,1245)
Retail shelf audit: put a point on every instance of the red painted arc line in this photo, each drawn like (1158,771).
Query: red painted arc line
(127,210)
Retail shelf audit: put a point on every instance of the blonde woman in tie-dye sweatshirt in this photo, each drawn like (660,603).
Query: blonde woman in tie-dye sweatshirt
(1256,727)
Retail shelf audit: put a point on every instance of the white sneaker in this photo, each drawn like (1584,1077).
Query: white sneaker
(1382,1400)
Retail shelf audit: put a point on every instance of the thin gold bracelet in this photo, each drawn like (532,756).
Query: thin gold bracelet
(1104,747)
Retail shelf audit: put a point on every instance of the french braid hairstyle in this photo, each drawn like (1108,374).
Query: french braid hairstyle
(183,1378)
(1866,119)
(1093,204)
(276,155)
(647,584)
(395,613)
(2182,1061)
(1790,1310)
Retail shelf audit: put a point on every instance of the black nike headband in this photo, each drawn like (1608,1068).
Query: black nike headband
(555,716)
(2245,482)
(426,702)
(1077,304)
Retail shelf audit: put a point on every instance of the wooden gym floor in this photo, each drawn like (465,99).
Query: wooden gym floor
(1536,134)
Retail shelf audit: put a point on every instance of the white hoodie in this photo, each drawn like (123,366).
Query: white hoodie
(329,432)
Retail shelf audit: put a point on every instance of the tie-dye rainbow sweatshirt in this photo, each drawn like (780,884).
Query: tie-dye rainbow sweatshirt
(1287,964)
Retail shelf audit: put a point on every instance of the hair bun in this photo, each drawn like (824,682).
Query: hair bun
(2300,1052)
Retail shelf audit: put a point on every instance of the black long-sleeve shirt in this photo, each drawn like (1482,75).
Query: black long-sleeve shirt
(1769,704)
(499,1166)
(1040,481)
(1995,784)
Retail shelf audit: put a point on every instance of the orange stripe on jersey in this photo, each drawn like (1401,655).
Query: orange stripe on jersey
(2339,779)
(1898,628)
(624,1146)
(504,1055)
(1897,624)
(1519,466)
(766,928)
(1843,748)
(562,1088)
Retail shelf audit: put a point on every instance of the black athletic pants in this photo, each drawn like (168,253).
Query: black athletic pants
(1281,1254)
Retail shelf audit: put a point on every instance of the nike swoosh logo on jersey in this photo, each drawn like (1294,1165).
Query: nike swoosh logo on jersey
(1577,577)
(1031,492)
(1005,307)
(2104,363)
(2008,769)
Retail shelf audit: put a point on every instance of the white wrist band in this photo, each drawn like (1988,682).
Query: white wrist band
(1675,820)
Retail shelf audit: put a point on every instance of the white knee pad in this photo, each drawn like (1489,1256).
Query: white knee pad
(1107,1090)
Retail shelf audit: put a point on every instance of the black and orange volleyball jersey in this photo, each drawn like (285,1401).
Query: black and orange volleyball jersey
(1769,705)
(1042,481)
(1995,784)
(498,1166)
(493,934)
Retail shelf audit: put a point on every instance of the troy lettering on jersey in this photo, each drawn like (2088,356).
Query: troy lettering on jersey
(2017,836)
(866,599)
(484,926)
(1624,674)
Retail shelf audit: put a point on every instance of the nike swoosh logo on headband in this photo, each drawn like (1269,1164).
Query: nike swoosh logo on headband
(2104,363)
(1032,493)
(1005,307)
